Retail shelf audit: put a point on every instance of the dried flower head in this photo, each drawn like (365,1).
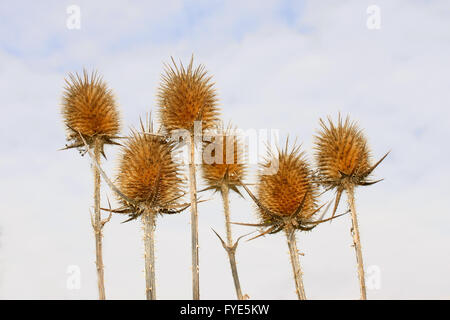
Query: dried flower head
(343,156)
(89,108)
(342,153)
(148,175)
(223,159)
(283,192)
(187,95)
(286,199)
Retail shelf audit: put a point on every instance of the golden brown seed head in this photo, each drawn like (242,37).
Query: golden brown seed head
(89,107)
(147,172)
(342,154)
(283,192)
(223,159)
(187,95)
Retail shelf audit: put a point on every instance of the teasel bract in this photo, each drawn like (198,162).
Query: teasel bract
(344,162)
(188,103)
(90,112)
(287,198)
(148,184)
(223,167)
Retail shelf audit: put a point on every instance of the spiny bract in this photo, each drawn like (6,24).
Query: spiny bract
(226,168)
(148,174)
(283,192)
(342,153)
(187,95)
(89,108)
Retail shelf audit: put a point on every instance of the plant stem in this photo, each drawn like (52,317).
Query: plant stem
(230,250)
(356,241)
(148,219)
(194,222)
(98,224)
(293,251)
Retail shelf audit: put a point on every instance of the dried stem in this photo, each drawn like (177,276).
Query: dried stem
(230,249)
(293,251)
(194,221)
(148,219)
(97,224)
(356,240)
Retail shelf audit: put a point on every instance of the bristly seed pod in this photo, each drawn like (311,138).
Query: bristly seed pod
(148,174)
(227,166)
(282,193)
(343,156)
(187,95)
(89,108)
(342,151)
(287,199)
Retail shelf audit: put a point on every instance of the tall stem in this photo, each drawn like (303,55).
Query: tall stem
(293,251)
(148,219)
(230,250)
(356,241)
(98,224)
(194,221)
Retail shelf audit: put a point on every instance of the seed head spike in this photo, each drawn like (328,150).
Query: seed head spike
(186,95)
(219,170)
(89,107)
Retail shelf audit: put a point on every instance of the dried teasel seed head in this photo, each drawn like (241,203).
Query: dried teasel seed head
(89,108)
(342,153)
(187,95)
(283,192)
(148,174)
(223,159)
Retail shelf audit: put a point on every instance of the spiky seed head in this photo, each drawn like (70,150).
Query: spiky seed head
(147,172)
(187,95)
(89,107)
(342,153)
(283,192)
(229,166)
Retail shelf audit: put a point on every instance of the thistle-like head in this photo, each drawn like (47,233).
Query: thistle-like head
(89,108)
(148,175)
(283,192)
(342,154)
(223,159)
(287,199)
(187,95)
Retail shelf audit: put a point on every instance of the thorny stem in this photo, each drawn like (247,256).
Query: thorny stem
(148,219)
(230,250)
(356,241)
(194,221)
(97,225)
(293,251)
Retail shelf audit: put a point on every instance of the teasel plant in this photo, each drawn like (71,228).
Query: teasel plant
(223,167)
(149,184)
(188,105)
(90,112)
(287,200)
(343,163)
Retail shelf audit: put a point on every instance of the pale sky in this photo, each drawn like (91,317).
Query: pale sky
(277,65)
